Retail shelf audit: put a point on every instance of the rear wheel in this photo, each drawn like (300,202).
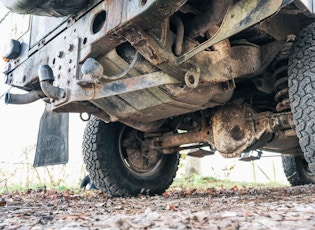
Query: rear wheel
(297,171)
(118,166)
(302,91)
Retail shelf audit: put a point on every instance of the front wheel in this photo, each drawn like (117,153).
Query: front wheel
(117,164)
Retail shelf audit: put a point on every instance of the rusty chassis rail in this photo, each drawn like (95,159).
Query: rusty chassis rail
(83,37)
(79,40)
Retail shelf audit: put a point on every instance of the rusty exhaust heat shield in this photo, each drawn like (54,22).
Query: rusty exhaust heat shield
(231,131)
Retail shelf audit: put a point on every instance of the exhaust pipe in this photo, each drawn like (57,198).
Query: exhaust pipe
(46,77)
(21,99)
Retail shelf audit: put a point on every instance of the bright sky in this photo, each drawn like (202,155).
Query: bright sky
(16,122)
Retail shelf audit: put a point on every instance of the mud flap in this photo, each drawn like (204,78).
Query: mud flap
(52,141)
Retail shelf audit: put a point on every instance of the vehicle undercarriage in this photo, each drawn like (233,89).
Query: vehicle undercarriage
(159,77)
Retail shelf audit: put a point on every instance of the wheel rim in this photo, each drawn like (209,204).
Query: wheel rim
(134,159)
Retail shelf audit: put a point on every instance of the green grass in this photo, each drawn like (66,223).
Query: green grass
(36,187)
(192,182)
(200,182)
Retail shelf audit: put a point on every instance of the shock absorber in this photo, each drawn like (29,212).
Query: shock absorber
(280,74)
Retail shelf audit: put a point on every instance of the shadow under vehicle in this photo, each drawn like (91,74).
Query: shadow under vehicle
(158,76)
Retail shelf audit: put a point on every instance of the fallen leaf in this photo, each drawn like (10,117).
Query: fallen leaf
(170,207)
(2,202)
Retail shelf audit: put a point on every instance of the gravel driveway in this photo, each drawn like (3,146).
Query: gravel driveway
(235,208)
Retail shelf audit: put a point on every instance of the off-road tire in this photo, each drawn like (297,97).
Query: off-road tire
(297,171)
(302,91)
(107,169)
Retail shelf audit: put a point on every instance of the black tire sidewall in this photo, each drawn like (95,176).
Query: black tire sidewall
(118,179)
(302,90)
(295,170)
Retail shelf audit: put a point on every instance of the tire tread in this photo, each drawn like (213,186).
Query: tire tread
(100,167)
(302,91)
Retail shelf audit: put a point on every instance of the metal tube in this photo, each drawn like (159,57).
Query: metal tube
(184,138)
(52,91)
(20,99)
(179,35)
(175,140)
(126,71)
(46,77)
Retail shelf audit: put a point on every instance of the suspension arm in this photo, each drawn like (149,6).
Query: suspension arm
(229,138)
(175,140)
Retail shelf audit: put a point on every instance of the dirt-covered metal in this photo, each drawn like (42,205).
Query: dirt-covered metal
(198,73)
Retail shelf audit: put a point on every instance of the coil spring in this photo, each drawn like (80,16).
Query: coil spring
(282,90)
(280,75)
